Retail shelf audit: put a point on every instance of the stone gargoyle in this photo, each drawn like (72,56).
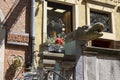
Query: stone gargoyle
(75,40)
(86,32)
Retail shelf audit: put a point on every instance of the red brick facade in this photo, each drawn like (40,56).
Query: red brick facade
(17,24)
(17,20)
(14,50)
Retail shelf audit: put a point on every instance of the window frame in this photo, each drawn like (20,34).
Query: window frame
(74,16)
(106,35)
(106,14)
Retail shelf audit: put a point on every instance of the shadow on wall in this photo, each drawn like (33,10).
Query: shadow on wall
(10,73)
(16,63)
(2,37)
(37,9)
(2,30)
(118,9)
(10,20)
(15,12)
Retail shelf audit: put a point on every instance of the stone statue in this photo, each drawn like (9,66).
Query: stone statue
(86,32)
(78,38)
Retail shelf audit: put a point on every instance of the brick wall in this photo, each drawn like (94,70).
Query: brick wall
(16,15)
(17,19)
(17,51)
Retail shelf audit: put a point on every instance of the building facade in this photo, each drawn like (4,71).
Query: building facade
(52,18)
(15,23)
(64,16)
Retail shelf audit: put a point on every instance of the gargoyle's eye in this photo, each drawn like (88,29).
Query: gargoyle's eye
(85,27)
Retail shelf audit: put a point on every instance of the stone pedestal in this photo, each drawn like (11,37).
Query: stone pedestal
(94,63)
(75,48)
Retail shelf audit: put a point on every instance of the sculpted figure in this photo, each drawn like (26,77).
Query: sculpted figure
(86,32)
(78,38)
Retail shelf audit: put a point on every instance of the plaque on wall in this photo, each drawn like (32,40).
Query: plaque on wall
(18,38)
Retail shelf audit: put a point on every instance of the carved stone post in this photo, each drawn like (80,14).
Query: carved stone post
(75,48)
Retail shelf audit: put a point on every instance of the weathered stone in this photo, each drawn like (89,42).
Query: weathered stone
(74,43)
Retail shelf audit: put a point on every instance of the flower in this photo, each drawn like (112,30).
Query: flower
(59,41)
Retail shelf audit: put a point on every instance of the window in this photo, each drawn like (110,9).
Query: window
(104,14)
(102,43)
(59,19)
(103,17)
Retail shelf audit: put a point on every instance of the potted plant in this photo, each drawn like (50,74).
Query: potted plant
(55,44)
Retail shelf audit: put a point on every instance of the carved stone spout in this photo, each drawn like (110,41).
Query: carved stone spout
(86,32)
(76,39)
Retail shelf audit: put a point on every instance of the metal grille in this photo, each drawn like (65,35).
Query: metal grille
(104,18)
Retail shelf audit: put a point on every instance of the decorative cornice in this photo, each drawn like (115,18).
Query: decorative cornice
(111,3)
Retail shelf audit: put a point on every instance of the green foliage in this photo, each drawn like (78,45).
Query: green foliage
(17,63)
(50,40)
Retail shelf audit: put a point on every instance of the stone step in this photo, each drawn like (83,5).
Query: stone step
(48,61)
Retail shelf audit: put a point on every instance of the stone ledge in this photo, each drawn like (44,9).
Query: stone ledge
(47,61)
(58,56)
(97,50)
(108,2)
(17,43)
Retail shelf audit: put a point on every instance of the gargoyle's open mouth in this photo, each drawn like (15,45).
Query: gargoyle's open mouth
(99,32)
(97,28)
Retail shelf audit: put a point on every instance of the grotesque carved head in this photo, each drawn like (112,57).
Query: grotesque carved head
(86,32)
(90,32)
